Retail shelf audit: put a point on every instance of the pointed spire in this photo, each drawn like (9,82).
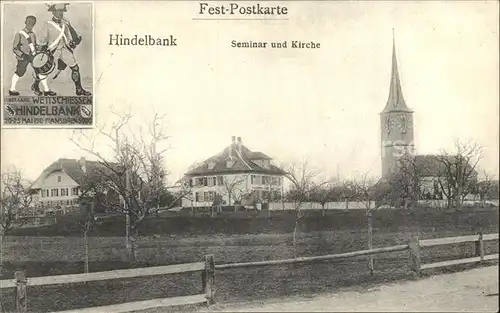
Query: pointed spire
(395,102)
(393,41)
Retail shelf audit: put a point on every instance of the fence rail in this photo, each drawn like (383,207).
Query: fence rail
(116,274)
(447,240)
(142,305)
(478,241)
(490,237)
(208,268)
(314,259)
(450,263)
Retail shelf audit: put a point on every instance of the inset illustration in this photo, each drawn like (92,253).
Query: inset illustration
(47,64)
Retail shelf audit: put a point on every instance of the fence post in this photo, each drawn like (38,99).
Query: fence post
(479,245)
(415,254)
(208,278)
(20,292)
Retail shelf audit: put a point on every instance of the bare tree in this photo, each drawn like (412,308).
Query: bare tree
(93,193)
(457,173)
(370,192)
(348,190)
(86,226)
(485,187)
(134,168)
(272,186)
(16,199)
(233,189)
(324,192)
(241,195)
(301,177)
(189,182)
(190,197)
(407,182)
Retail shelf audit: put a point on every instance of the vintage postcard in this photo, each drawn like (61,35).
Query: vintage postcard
(250,156)
(47,64)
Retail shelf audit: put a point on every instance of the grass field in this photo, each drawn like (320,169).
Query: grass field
(42,256)
(232,239)
(280,222)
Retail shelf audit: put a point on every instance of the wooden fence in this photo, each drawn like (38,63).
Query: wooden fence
(478,240)
(208,268)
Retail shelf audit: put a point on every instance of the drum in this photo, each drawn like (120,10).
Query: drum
(43,63)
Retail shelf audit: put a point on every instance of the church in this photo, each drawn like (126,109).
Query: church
(396,123)
(397,140)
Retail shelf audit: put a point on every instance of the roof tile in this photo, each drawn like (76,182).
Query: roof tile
(246,161)
(73,169)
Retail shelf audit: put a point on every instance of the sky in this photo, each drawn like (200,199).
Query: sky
(322,105)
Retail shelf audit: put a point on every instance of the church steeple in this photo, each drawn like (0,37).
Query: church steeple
(396,101)
(396,121)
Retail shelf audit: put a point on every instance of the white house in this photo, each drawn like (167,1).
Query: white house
(236,175)
(61,184)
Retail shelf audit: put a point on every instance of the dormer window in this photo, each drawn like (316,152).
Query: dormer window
(211,165)
(229,163)
(262,163)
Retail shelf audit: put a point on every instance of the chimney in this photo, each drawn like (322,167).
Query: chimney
(239,145)
(83,164)
(230,152)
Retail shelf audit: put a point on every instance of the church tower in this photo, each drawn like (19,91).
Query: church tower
(396,122)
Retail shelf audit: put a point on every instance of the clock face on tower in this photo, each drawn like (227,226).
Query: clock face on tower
(403,124)
(400,123)
(388,124)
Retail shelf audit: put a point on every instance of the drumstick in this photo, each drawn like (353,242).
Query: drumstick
(57,74)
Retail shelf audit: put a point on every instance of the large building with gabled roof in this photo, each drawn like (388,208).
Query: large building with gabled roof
(236,175)
(64,181)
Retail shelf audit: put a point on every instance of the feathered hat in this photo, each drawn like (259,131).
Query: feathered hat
(57,7)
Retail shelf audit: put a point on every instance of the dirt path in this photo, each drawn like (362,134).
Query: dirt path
(471,291)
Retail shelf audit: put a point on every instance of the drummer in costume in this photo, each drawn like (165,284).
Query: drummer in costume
(59,38)
(25,47)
